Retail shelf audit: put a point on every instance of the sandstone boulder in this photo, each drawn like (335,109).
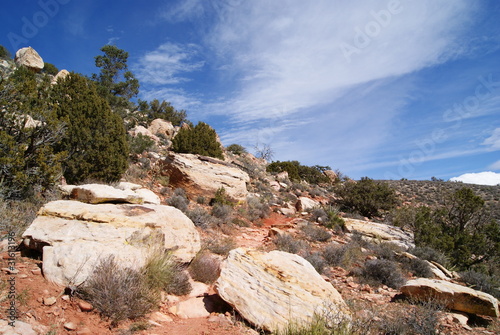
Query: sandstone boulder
(203,176)
(29,58)
(74,236)
(454,296)
(304,204)
(60,76)
(160,127)
(20,328)
(134,132)
(271,289)
(381,232)
(332,175)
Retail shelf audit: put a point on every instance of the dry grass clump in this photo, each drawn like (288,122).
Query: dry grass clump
(220,246)
(257,209)
(205,268)
(382,271)
(122,293)
(343,255)
(317,261)
(118,293)
(287,243)
(315,233)
(200,217)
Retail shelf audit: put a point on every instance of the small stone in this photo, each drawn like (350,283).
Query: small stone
(160,317)
(10,271)
(154,323)
(49,301)
(22,276)
(85,306)
(70,326)
(36,272)
(65,298)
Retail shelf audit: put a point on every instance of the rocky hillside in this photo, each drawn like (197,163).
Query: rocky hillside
(432,193)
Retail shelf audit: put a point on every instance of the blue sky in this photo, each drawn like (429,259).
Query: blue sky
(386,89)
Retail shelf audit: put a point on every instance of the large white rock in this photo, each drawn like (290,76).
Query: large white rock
(61,75)
(454,296)
(29,58)
(381,232)
(74,236)
(160,127)
(305,204)
(203,176)
(271,289)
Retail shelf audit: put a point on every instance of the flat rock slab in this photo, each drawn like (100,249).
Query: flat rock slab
(381,232)
(74,236)
(272,289)
(456,297)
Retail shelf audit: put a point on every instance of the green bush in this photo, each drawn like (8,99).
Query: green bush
(4,53)
(162,110)
(236,149)
(50,69)
(298,172)
(201,140)
(367,197)
(28,162)
(140,144)
(95,138)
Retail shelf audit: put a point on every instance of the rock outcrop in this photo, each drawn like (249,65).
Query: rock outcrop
(305,204)
(160,127)
(454,296)
(381,232)
(60,76)
(123,192)
(74,236)
(30,58)
(271,289)
(203,176)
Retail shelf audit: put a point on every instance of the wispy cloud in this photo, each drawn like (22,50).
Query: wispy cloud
(493,142)
(495,166)
(168,64)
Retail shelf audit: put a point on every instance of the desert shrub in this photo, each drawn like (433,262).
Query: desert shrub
(420,268)
(382,271)
(221,198)
(16,215)
(201,200)
(367,196)
(317,261)
(205,268)
(315,233)
(200,217)
(423,318)
(118,293)
(482,282)
(237,149)
(257,209)
(222,212)
(162,272)
(50,69)
(297,172)
(179,200)
(140,144)
(343,255)
(220,246)
(287,243)
(334,220)
(385,250)
(201,140)
(162,110)
(319,215)
(430,254)
(4,53)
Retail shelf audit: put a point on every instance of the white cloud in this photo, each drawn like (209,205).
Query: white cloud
(481,178)
(494,140)
(167,64)
(495,166)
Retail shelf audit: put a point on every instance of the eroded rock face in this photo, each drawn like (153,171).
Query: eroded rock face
(160,127)
(74,236)
(29,58)
(271,289)
(381,232)
(203,176)
(456,297)
(304,204)
(99,193)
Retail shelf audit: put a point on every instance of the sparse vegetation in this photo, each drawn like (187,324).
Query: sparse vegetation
(315,233)
(220,246)
(382,271)
(205,268)
(162,272)
(287,243)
